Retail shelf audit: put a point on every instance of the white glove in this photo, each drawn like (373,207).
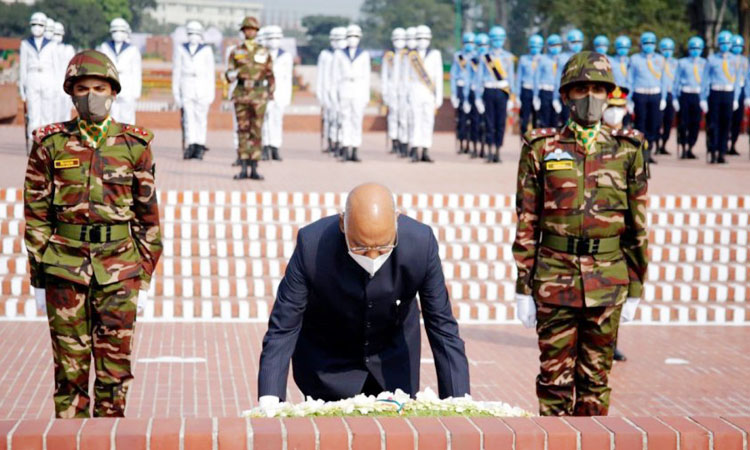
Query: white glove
(510,105)
(537,103)
(480,105)
(455,102)
(467,107)
(662,105)
(676,105)
(630,107)
(41,299)
(735,105)
(269,404)
(629,309)
(232,75)
(704,106)
(557,106)
(142,298)
(526,310)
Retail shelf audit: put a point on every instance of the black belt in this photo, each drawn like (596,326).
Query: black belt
(581,246)
(94,233)
(251,84)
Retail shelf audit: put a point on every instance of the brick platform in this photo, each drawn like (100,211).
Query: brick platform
(362,433)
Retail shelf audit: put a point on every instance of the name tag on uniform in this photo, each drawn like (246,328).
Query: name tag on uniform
(67,163)
(559,165)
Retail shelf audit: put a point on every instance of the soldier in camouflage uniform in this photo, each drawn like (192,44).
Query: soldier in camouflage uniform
(252,67)
(581,241)
(93,238)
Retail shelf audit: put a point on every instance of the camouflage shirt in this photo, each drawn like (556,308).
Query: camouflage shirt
(253,65)
(565,191)
(68,181)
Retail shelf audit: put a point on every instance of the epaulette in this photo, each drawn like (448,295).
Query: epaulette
(634,136)
(142,134)
(539,133)
(46,131)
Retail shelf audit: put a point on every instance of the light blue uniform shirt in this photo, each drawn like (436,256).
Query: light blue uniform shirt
(689,75)
(668,77)
(460,72)
(485,75)
(620,69)
(546,74)
(716,78)
(528,66)
(473,72)
(641,76)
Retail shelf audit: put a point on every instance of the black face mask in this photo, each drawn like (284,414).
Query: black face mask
(93,107)
(588,110)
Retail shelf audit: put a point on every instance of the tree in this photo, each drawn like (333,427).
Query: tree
(14,19)
(318,28)
(85,23)
(137,12)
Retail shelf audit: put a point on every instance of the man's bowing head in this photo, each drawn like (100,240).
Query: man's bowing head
(369,224)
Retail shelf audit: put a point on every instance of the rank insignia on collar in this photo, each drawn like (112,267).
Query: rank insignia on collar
(67,163)
(558,155)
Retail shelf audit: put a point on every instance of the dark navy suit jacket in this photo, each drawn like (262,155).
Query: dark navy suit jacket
(337,324)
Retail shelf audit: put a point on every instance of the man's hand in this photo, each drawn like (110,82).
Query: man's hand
(676,105)
(269,404)
(629,309)
(662,105)
(480,105)
(735,105)
(630,106)
(526,310)
(510,106)
(142,298)
(455,102)
(557,106)
(704,106)
(40,295)
(537,103)
(467,107)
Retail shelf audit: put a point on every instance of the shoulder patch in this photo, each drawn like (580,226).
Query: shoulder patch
(633,136)
(539,133)
(46,131)
(142,134)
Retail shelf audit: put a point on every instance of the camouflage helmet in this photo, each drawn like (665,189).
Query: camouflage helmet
(90,63)
(250,22)
(588,67)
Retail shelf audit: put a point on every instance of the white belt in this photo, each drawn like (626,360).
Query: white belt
(691,90)
(722,87)
(460,83)
(502,84)
(528,86)
(648,91)
(546,87)
(35,69)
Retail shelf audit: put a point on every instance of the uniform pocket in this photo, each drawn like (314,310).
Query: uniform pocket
(611,192)
(611,269)
(70,186)
(561,189)
(117,185)
(556,275)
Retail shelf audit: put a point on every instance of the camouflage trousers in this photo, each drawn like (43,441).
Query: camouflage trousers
(86,320)
(249,129)
(577,346)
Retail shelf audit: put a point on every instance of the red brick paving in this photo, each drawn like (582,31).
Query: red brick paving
(503,366)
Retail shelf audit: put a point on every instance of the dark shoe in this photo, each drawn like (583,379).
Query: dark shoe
(403,150)
(426,156)
(275,154)
(733,152)
(200,150)
(395,146)
(620,356)
(354,157)
(344,154)
(414,154)
(254,175)
(188,153)
(690,154)
(651,160)
(721,160)
(266,154)
(236,163)
(243,172)
(663,151)
(713,158)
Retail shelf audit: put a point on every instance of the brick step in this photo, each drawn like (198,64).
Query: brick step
(474,290)
(258,309)
(404,200)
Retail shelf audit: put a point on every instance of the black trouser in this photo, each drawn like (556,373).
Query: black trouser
(547,117)
(474,119)
(667,120)
(689,121)
(528,115)
(496,113)
(647,116)
(462,127)
(737,117)
(719,120)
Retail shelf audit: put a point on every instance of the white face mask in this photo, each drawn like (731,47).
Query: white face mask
(613,116)
(370,265)
(341,44)
(37,30)
(194,39)
(352,41)
(49,34)
(119,36)
(274,43)
(58,38)
(423,44)
(411,43)
(398,44)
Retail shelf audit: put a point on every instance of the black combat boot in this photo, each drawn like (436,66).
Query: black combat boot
(254,175)
(354,157)
(188,153)
(266,153)
(395,146)
(243,171)
(403,150)
(275,154)
(426,156)
(414,154)
(200,150)
(620,356)
(236,162)
(344,154)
